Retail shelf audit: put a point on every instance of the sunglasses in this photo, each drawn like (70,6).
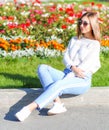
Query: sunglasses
(83,22)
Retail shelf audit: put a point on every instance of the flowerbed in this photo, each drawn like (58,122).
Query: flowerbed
(27,47)
(45,29)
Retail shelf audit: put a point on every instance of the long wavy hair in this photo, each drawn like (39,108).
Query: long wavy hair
(93,19)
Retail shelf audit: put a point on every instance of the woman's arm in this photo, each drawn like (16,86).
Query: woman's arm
(67,55)
(91,62)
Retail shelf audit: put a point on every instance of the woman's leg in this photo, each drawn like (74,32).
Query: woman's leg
(72,85)
(48,75)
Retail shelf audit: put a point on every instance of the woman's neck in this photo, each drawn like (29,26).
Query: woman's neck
(89,36)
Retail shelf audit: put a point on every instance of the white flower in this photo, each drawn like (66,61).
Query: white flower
(59,29)
(3,53)
(61,17)
(37,4)
(40,51)
(59,6)
(45,15)
(25,13)
(105,50)
(72,26)
(45,52)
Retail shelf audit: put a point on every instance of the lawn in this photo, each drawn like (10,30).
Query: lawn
(70,1)
(21,73)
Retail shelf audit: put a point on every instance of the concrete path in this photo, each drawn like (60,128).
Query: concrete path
(89,111)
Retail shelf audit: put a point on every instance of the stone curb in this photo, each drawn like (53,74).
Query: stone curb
(95,96)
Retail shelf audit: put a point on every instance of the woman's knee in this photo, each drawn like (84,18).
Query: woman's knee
(41,68)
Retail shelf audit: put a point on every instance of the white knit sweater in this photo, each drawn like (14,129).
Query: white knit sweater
(83,53)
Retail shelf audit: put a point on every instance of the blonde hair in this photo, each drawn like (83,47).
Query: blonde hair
(93,18)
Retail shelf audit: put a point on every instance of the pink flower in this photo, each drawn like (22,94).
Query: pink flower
(50,20)
(4,17)
(38,11)
(52,8)
(2,31)
(106,37)
(32,15)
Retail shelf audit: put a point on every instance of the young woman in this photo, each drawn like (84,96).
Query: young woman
(81,60)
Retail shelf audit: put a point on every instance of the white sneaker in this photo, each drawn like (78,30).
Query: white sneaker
(23,114)
(57,109)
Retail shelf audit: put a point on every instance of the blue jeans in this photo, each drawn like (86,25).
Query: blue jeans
(56,83)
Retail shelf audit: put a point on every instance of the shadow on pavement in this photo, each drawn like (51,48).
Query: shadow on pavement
(30,96)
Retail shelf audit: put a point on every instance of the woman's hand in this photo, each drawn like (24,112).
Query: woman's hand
(78,72)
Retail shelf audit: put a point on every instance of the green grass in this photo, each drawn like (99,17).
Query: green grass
(70,1)
(80,1)
(101,78)
(21,73)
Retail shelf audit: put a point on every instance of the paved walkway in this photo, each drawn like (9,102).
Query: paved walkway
(89,111)
(95,96)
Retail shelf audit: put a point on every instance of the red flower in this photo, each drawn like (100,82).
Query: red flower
(12,25)
(33,20)
(72,21)
(38,1)
(23,25)
(69,20)
(79,14)
(27,24)
(70,11)
(64,26)
(10,18)
(92,3)
(61,9)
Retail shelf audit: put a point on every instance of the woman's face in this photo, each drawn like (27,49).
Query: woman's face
(85,26)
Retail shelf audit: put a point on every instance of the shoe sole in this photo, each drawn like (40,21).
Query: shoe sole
(51,114)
